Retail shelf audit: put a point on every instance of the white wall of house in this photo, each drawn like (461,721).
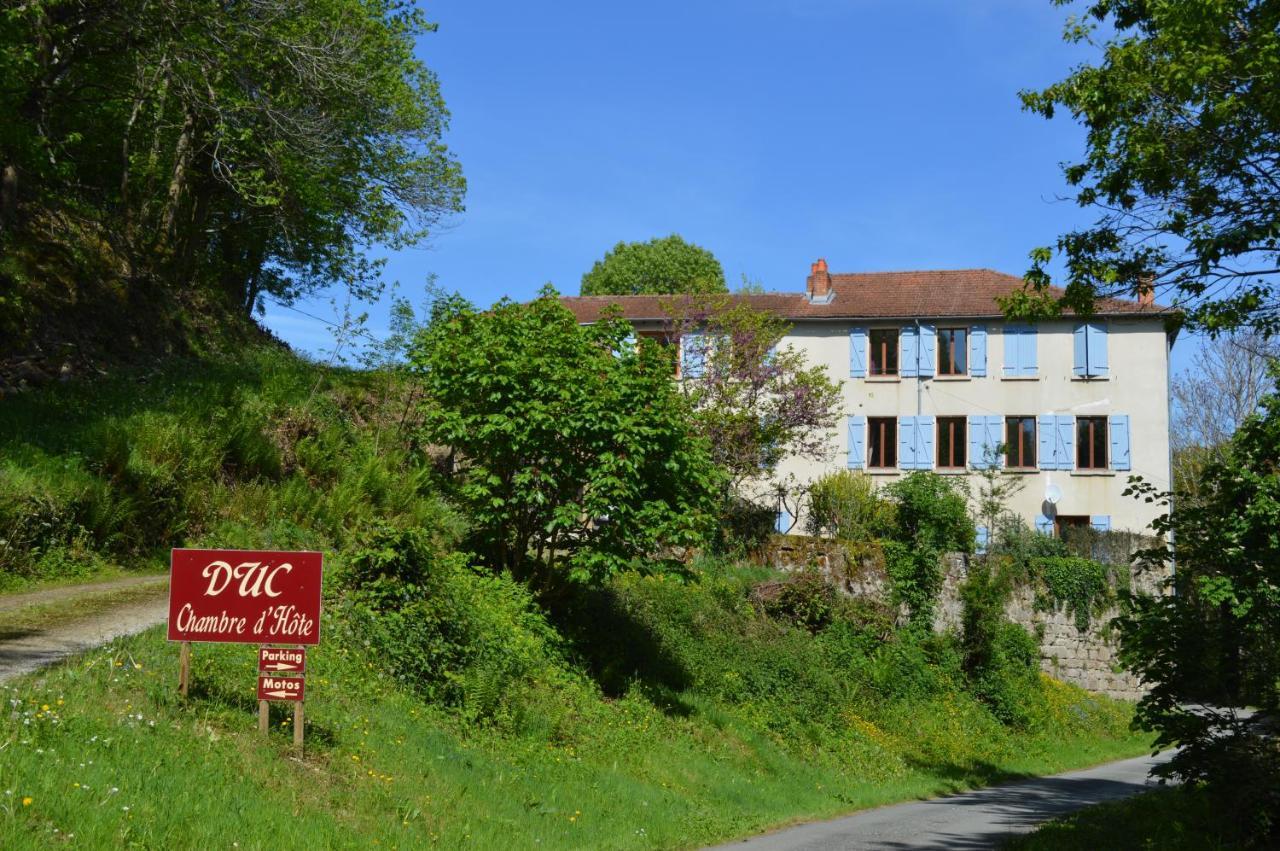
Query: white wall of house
(1136,385)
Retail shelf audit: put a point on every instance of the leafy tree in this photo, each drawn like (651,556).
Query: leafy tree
(573,451)
(1228,378)
(665,265)
(1215,643)
(1183,148)
(757,401)
(253,147)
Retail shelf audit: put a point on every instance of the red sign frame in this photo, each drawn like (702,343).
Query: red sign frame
(272,687)
(282,660)
(245,596)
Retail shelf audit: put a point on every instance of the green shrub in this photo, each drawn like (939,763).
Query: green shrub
(806,599)
(742,526)
(931,512)
(1001,659)
(1085,588)
(845,505)
(461,637)
(931,518)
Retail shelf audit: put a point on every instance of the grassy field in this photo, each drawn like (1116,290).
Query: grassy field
(103,751)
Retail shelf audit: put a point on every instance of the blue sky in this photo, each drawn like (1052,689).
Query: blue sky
(879,134)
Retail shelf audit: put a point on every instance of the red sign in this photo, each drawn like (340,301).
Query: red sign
(282,659)
(245,596)
(271,687)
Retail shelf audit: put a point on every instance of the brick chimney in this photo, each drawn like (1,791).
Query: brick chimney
(1146,290)
(818,286)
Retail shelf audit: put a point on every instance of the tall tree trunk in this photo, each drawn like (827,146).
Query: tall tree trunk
(8,196)
(178,182)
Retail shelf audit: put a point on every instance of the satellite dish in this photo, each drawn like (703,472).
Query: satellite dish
(1052,494)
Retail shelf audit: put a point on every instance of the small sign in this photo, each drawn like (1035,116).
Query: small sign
(282,660)
(271,687)
(251,597)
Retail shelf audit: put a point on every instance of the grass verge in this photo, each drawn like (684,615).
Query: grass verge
(101,749)
(1174,819)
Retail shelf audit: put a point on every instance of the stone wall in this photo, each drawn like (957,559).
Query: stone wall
(1086,659)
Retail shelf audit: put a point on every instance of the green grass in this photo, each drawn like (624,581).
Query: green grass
(1175,819)
(118,759)
(42,616)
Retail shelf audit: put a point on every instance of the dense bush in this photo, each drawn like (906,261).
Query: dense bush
(931,518)
(1001,659)
(742,526)
(845,505)
(462,637)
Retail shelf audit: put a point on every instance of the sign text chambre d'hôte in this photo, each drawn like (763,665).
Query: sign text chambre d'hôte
(254,597)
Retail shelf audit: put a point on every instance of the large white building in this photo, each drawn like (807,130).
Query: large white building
(933,378)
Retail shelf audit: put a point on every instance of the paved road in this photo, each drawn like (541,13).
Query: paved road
(27,650)
(981,819)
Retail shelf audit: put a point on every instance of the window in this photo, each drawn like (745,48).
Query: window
(951,442)
(884,351)
(953,351)
(1064,523)
(882,442)
(1091,443)
(1020,442)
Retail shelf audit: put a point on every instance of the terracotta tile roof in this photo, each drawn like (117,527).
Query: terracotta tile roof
(869,295)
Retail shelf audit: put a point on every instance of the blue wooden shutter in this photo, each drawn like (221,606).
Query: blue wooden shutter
(978,351)
(1046,428)
(1100,522)
(1080,350)
(984,437)
(1027,351)
(983,538)
(1096,337)
(977,455)
(858,352)
(928,364)
(926,429)
(1120,441)
(906,443)
(693,356)
(1009,338)
(1066,442)
(857,443)
(784,521)
(993,436)
(1044,525)
(907,352)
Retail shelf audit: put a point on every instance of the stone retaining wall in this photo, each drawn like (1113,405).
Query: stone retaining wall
(1086,659)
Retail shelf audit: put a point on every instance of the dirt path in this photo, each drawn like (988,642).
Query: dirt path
(69,592)
(25,650)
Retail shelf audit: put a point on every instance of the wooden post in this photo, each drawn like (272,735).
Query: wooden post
(184,668)
(264,716)
(297,726)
